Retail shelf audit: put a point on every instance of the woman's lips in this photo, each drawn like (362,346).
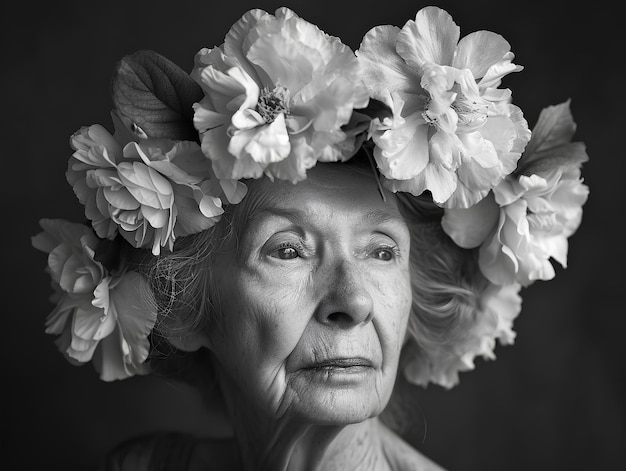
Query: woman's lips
(339,372)
(341,363)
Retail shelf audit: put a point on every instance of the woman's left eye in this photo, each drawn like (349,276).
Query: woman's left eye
(385,254)
(285,252)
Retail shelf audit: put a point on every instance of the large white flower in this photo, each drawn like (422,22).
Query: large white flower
(536,217)
(98,316)
(277,93)
(530,215)
(150,191)
(453,132)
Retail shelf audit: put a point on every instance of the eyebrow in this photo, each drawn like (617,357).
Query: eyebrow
(379,216)
(297,214)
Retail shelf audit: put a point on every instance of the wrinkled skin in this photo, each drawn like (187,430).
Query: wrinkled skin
(314,299)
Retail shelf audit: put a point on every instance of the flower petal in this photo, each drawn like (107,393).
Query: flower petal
(293,169)
(237,41)
(469,227)
(384,71)
(479,51)
(233,190)
(267,144)
(135,318)
(497,261)
(431,38)
(407,153)
(493,76)
(146,185)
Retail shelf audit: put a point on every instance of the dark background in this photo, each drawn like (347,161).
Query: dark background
(554,400)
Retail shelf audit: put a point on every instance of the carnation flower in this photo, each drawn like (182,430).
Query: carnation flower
(441,363)
(453,132)
(528,218)
(150,191)
(98,315)
(536,217)
(277,94)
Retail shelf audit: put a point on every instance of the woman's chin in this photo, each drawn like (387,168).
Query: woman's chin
(341,397)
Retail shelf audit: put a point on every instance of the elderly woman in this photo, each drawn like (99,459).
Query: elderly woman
(293,225)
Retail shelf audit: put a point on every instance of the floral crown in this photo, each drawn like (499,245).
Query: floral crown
(278,96)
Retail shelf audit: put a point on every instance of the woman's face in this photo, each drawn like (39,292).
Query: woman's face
(314,297)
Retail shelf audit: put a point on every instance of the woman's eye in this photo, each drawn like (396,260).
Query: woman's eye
(385,254)
(285,253)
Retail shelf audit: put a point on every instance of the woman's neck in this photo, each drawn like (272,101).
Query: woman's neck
(292,446)
(288,443)
(368,445)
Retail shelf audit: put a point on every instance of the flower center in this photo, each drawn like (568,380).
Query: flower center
(544,222)
(471,114)
(273,102)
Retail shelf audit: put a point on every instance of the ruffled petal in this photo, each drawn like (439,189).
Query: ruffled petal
(402,153)
(303,157)
(493,76)
(431,38)
(225,165)
(384,71)
(446,150)
(497,262)
(237,42)
(228,84)
(479,51)
(205,119)
(439,181)
(146,185)
(267,144)
(233,190)
(470,227)
(134,316)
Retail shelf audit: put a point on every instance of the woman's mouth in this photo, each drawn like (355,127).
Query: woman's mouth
(340,363)
(340,371)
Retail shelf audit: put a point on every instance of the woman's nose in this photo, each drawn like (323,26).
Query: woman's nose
(345,300)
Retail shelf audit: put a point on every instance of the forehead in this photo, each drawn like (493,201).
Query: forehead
(330,188)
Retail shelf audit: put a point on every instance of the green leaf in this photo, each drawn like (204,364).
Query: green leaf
(156,94)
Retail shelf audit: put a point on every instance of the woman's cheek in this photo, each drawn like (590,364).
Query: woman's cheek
(276,320)
(393,298)
(280,315)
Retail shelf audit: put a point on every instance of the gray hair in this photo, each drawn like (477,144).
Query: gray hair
(445,279)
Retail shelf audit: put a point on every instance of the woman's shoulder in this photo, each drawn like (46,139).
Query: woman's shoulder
(167,451)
